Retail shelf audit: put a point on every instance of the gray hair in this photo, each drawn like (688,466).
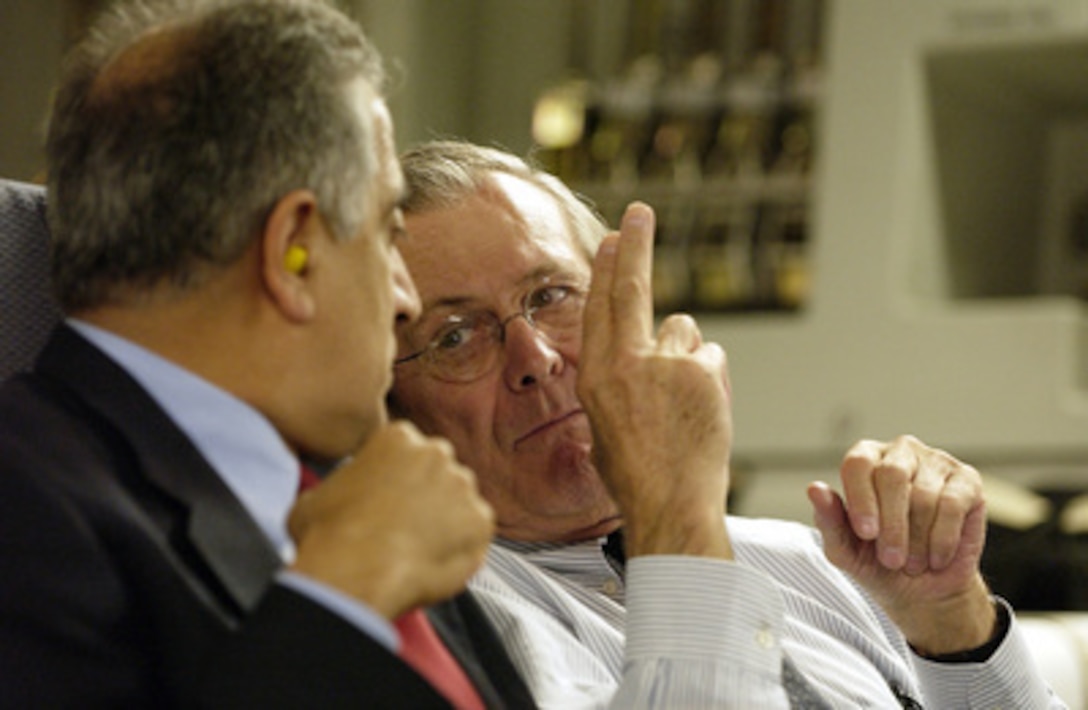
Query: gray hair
(440,174)
(179,124)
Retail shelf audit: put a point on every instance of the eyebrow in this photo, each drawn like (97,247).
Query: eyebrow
(535,276)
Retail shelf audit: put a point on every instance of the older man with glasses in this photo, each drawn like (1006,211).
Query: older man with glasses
(536,355)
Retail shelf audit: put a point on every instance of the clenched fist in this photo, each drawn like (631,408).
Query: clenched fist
(910,529)
(399,526)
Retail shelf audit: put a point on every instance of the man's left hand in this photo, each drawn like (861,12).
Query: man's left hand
(911,531)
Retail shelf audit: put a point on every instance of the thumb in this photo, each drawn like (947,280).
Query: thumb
(829,516)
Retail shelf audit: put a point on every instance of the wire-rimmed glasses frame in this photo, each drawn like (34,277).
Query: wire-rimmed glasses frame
(466,346)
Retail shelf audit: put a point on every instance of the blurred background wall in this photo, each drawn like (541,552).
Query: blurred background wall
(468,68)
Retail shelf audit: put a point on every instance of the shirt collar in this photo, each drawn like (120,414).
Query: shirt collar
(238,441)
(583,563)
(524,547)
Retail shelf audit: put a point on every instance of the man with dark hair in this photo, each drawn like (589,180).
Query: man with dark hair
(225,200)
(536,355)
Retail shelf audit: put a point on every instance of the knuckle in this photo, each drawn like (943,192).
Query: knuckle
(680,326)
(715,352)
(952,503)
(892,475)
(487,513)
(907,440)
(924,498)
(894,530)
(629,290)
(862,451)
(442,446)
(401,430)
(678,320)
(854,472)
(972,476)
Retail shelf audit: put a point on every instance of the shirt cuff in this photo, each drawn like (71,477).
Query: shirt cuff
(348,608)
(1006,679)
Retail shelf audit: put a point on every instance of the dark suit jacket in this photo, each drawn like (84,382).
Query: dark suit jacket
(131,576)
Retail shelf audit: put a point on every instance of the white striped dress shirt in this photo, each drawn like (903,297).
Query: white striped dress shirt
(704,633)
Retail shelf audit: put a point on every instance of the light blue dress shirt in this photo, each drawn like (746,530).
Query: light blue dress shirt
(248,454)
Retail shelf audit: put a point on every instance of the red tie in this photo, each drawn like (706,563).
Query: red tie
(423,650)
(420,646)
(307,479)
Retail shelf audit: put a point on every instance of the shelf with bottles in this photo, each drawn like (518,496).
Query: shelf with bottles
(723,247)
(719,141)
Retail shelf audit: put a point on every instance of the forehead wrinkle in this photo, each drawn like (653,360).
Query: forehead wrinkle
(523,234)
(534,209)
(448,306)
(532,225)
(511,194)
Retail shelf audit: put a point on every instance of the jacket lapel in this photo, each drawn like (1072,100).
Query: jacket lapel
(472,640)
(219,528)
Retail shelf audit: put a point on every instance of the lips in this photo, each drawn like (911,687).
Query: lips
(547,426)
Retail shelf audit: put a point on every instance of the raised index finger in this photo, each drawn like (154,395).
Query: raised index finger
(632,302)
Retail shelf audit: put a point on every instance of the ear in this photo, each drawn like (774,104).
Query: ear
(290,235)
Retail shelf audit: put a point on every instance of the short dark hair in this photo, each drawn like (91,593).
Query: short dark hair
(178,125)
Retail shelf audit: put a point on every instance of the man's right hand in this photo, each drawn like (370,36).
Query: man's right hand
(658,405)
(401,525)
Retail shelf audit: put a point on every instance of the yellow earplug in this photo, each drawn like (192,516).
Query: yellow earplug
(295,259)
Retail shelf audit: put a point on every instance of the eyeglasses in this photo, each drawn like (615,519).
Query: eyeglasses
(466,346)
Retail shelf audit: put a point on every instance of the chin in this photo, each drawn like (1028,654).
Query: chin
(602,527)
(338,442)
(551,526)
(571,457)
(555,526)
(579,496)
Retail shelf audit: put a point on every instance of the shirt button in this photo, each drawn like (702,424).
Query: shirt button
(610,586)
(765,637)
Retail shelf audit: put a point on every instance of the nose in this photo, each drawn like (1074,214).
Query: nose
(405,297)
(530,356)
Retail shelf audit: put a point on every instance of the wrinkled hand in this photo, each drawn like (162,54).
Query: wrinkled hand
(399,526)
(911,531)
(658,406)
